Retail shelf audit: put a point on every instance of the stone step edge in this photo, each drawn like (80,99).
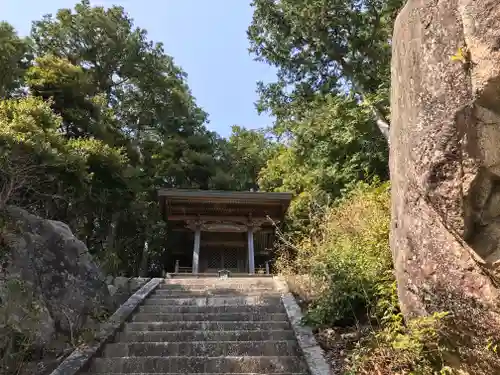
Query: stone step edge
(211,321)
(230,331)
(122,336)
(168,309)
(205,357)
(197,325)
(154,302)
(214,295)
(312,353)
(221,288)
(199,342)
(186,315)
(194,373)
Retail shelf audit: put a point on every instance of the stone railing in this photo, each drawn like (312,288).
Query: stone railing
(121,288)
(262,271)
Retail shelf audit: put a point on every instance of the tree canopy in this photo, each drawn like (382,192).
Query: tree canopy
(96,117)
(322,47)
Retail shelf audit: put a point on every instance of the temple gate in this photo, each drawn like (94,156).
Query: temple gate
(209,231)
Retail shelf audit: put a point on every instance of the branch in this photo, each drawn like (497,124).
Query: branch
(382,123)
(16,173)
(281,236)
(72,337)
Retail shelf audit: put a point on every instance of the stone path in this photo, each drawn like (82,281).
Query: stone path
(206,325)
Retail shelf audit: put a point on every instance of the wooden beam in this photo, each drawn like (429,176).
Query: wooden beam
(225,195)
(181,229)
(223,243)
(241,219)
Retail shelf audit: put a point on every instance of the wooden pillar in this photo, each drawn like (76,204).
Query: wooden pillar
(196,250)
(251,256)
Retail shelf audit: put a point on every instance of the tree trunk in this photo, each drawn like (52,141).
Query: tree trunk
(111,237)
(381,122)
(143,271)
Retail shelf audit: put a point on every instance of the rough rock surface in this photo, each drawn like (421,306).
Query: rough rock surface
(445,165)
(48,280)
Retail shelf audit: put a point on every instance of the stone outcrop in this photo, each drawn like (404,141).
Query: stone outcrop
(445,166)
(49,285)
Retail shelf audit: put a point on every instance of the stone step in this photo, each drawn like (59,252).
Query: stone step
(214,301)
(199,287)
(184,364)
(202,349)
(278,308)
(162,293)
(217,285)
(215,291)
(204,325)
(189,280)
(226,317)
(178,336)
(201,373)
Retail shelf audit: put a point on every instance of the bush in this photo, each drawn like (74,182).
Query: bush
(397,347)
(347,255)
(345,276)
(19,318)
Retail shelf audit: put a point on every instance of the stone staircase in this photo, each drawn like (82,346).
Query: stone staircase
(206,325)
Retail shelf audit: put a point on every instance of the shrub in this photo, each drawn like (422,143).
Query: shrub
(416,347)
(347,254)
(19,318)
(346,277)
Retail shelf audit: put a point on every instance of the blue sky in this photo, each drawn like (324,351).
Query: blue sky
(206,38)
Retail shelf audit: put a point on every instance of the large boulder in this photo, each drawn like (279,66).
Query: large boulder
(49,285)
(445,166)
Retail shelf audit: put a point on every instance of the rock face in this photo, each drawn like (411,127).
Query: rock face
(48,279)
(445,164)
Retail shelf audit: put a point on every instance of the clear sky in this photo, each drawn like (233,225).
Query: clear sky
(207,38)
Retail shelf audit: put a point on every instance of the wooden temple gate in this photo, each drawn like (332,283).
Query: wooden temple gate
(210,231)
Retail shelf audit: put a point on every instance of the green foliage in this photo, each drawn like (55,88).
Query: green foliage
(333,68)
(348,264)
(415,347)
(334,146)
(347,260)
(14,60)
(103,120)
(347,251)
(19,317)
(37,161)
(249,151)
(321,47)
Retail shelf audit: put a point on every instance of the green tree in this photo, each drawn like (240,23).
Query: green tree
(334,146)
(320,47)
(43,171)
(14,60)
(125,123)
(249,151)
